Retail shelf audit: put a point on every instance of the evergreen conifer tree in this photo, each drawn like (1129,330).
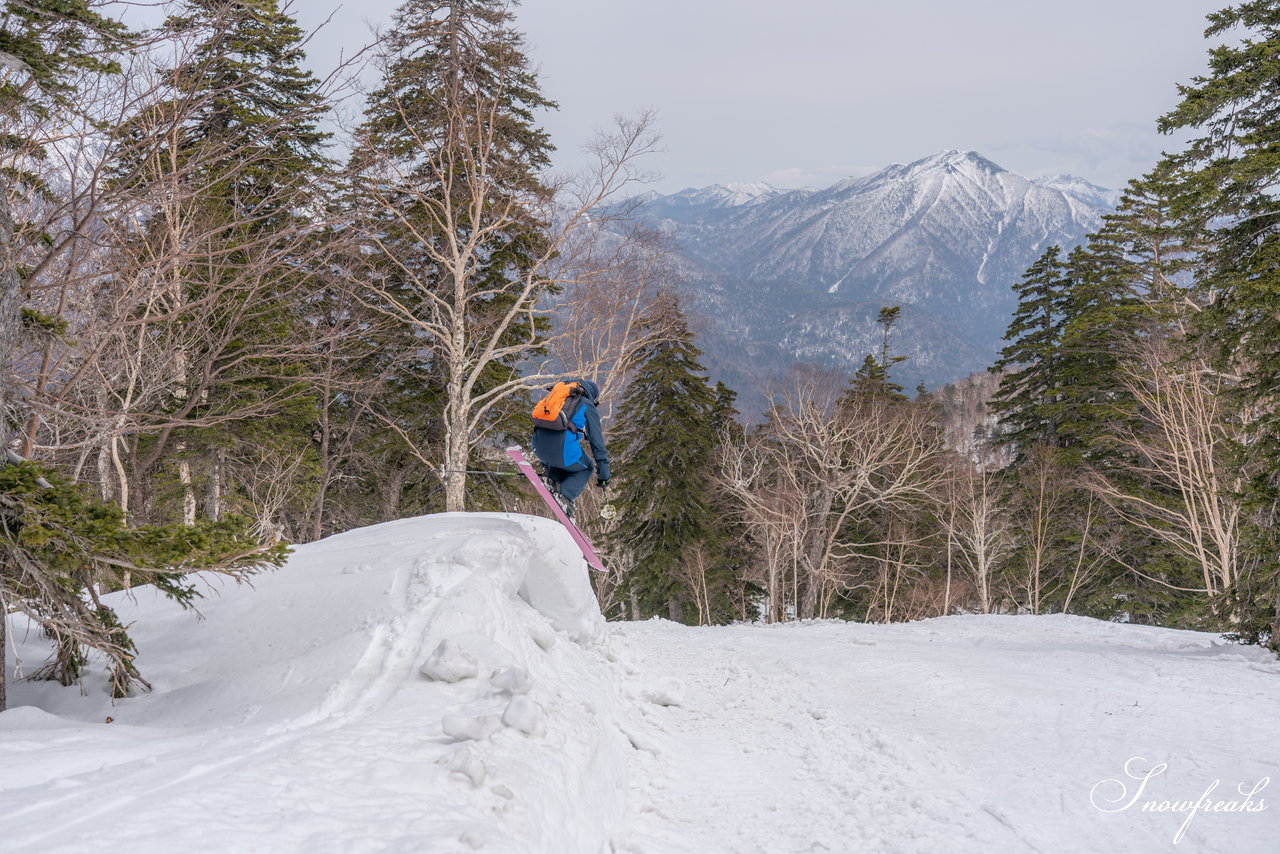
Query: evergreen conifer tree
(1132,282)
(446,178)
(1060,386)
(248,153)
(1029,387)
(872,377)
(1099,318)
(43,43)
(1225,183)
(669,420)
(60,547)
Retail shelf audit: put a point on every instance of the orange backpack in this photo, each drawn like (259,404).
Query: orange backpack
(554,411)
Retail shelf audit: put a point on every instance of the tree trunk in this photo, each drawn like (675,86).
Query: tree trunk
(10,319)
(1275,641)
(188,492)
(4,650)
(326,468)
(392,490)
(946,595)
(809,601)
(103,459)
(213,494)
(10,314)
(456,449)
(815,552)
(122,476)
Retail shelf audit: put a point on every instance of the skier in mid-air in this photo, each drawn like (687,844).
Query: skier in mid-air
(562,420)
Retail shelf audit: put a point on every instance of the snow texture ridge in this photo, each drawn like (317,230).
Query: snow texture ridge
(963,735)
(433,684)
(446,685)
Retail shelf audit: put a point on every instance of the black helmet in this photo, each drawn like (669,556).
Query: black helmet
(592,390)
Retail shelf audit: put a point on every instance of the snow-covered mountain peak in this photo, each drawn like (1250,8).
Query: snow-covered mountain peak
(950,164)
(951,160)
(752,189)
(1073,185)
(646,197)
(727,195)
(944,236)
(954,158)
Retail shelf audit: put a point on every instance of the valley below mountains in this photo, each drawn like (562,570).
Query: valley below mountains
(775,277)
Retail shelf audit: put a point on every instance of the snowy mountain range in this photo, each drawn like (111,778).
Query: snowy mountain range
(781,276)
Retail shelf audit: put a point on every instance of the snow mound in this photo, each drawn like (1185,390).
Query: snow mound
(441,681)
(446,685)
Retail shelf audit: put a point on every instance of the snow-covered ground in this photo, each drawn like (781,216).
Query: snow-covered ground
(446,684)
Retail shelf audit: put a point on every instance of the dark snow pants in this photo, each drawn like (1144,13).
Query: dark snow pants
(574,479)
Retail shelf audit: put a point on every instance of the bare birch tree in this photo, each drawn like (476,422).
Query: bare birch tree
(771,504)
(470,314)
(978,524)
(822,462)
(1038,500)
(1180,485)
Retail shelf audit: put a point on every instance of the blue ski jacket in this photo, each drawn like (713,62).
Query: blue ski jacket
(562,449)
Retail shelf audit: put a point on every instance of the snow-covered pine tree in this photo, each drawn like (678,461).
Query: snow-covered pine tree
(665,441)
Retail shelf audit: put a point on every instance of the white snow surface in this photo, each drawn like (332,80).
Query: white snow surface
(446,684)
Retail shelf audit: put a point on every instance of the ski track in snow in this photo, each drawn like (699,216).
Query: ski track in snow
(296,719)
(367,768)
(966,734)
(282,760)
(807,768)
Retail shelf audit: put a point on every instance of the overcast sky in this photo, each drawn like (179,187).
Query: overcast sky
(812,91)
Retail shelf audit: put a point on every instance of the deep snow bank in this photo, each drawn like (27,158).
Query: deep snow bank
(446,685)
(444,679)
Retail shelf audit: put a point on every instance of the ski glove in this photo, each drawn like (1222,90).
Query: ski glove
(602,482)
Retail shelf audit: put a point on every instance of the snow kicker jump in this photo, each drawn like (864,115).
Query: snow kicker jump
(588,551)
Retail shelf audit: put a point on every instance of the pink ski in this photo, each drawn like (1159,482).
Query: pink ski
(588,552)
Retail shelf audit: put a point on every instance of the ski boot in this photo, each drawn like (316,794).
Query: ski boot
(566,504)
(553,487)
